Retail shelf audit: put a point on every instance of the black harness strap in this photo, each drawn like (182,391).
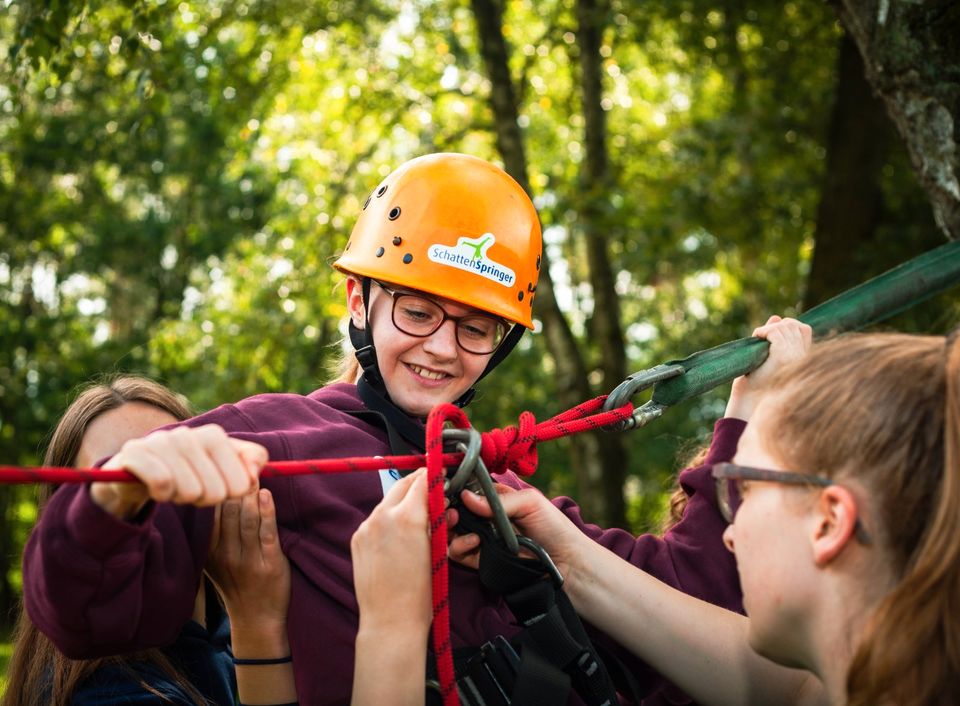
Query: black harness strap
(552,628)
(406,435)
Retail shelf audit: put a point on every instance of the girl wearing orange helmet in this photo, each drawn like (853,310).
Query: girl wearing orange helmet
(442,273)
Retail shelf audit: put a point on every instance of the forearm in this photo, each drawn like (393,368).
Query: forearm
(701,648)
(391,664)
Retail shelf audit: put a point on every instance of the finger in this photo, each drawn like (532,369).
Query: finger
(228,554)
(250,523)
(230,524)
(215,534)
(463,549)
(759,331)
(153,471)
(476,503)
(414,501)
(516,505)
(223,455)
(253,455)
(269,534)
(198,479)
(399,489)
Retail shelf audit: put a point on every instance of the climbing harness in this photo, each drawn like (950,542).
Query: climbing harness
(552,654)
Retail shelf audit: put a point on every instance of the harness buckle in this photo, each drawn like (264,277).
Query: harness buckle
(489,676)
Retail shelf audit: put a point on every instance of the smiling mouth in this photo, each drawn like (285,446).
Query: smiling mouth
(428,374)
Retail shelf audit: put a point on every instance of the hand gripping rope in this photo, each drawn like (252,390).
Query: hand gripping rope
(515,447)
(496,450)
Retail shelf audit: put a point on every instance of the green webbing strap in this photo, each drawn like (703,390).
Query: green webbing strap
(875,300)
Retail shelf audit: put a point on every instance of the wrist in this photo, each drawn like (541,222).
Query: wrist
(741,404)
(264,643)
(389,629)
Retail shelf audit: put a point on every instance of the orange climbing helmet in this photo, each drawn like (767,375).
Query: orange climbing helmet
(453,226)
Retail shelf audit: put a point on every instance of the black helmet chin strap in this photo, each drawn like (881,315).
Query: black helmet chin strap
(362,340)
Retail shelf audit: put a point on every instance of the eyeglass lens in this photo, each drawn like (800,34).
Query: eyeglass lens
(418,316)
(728,496)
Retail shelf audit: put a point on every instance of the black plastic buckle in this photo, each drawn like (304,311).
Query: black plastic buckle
(489,676)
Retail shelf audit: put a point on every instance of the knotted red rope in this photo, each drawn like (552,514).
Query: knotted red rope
(512,448)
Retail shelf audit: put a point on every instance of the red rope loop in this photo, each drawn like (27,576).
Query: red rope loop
(514,448)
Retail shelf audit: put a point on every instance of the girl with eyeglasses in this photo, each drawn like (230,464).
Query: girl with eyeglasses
(843,502)
(441,275)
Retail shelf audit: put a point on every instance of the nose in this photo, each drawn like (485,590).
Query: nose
(728,538)
(442,343)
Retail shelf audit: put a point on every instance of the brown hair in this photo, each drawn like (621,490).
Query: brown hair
(899,395)
(39,674)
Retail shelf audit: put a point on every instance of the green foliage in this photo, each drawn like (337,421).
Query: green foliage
(175,179)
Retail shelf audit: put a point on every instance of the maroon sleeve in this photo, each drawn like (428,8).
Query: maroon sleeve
(96,585)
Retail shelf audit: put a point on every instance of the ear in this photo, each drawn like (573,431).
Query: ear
(836,520)
(355,303)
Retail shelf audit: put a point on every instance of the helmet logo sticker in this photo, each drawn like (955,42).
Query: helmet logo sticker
(470,255)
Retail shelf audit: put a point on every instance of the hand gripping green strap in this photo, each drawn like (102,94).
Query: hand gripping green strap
(875,300)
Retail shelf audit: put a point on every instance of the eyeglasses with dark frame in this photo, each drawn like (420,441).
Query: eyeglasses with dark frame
(730,476)
(420,316)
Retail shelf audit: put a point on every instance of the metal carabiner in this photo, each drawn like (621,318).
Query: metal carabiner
(544,557)
(470,451)
(641,380)
(472,473)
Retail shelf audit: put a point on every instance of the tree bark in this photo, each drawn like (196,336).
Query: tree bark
(911,52)
(595,189)
(850,203)
(572,385)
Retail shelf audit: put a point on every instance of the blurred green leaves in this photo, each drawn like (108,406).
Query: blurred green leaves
(176,177)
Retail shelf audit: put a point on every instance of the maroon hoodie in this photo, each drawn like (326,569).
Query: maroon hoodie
(96,585)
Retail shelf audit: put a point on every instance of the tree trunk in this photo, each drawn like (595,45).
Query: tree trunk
(911,52)
(572,385)
(851,200)
(595,188)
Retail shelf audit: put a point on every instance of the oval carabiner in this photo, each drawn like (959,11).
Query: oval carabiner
(634,383)
(471,452)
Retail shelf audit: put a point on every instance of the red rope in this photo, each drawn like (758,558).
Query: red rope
(438,547)
(513,448)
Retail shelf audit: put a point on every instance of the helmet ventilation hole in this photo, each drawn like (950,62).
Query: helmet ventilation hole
(397,240)
(381,191)
(366,203)
(407,259)
(379,252)
(394,213)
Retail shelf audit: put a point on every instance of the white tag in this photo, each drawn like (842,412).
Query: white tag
(388,477)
